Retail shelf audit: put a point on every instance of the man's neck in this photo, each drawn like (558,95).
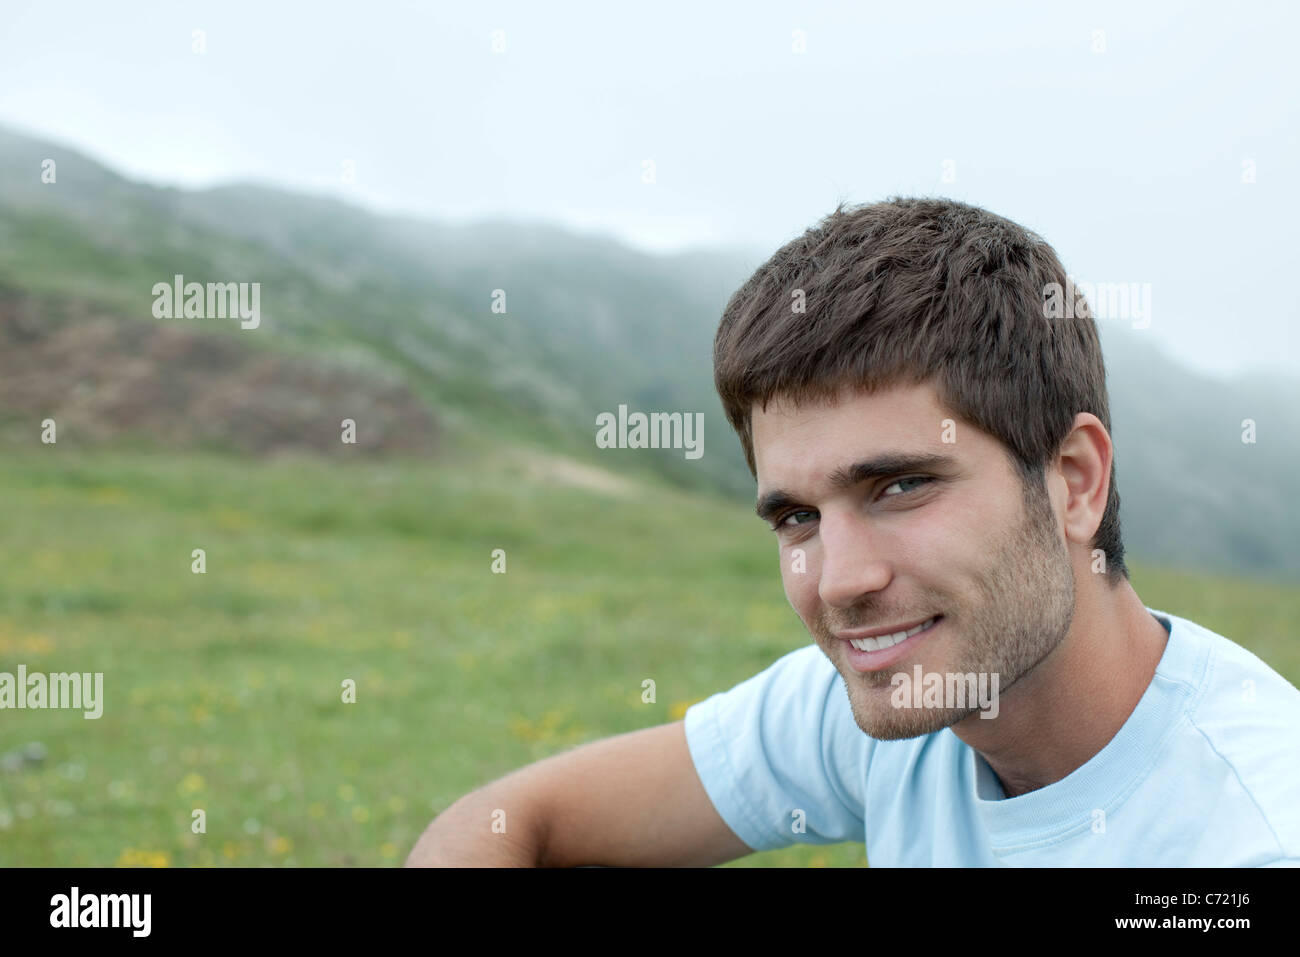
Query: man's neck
(1064,711)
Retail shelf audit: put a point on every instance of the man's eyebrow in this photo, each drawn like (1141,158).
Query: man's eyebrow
(847,476)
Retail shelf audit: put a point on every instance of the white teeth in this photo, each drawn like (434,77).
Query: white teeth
(888,641)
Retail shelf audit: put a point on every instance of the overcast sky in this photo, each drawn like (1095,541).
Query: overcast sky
(1123,133)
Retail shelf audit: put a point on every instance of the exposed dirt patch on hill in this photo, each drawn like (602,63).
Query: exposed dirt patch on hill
(102,378)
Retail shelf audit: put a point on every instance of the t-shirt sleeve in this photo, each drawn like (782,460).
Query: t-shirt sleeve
(780,755)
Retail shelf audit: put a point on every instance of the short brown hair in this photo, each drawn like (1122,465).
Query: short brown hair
(914,291)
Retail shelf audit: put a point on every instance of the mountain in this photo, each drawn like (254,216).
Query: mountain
(389,321)
(1192,492)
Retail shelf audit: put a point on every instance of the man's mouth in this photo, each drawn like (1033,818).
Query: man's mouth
(876,640)
(874,649)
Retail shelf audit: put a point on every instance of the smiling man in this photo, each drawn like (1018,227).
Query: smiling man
(932,452)
(946,559)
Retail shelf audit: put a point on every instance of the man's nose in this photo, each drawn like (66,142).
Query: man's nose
(852,563)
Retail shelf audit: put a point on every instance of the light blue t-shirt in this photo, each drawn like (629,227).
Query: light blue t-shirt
(1205,772)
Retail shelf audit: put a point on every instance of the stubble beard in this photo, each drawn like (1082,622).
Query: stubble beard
(1019,609)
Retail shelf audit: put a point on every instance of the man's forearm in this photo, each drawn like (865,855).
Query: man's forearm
(496,826)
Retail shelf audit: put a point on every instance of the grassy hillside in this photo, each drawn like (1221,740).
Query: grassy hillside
(589,324)
(223,689)
(371,562)
(404,308)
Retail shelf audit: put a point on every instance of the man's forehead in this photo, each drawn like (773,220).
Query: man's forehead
(892,412)
(803,446)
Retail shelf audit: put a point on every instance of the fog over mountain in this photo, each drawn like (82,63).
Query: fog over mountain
(390,321)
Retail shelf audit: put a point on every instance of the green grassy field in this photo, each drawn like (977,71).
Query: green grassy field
(223,689)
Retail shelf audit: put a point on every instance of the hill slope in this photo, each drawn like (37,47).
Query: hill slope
(394,317)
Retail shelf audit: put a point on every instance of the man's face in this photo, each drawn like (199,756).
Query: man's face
(897,526)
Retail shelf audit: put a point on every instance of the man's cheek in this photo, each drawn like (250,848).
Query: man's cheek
(799,579)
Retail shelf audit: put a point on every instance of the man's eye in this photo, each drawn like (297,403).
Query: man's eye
(784,520)
(902,482)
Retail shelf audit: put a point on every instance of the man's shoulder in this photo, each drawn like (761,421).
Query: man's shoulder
(1243,715)
(1220,673)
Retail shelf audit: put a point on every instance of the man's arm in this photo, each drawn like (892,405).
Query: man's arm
(633,800)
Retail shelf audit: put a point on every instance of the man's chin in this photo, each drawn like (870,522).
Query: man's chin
(895,731)
(884,722)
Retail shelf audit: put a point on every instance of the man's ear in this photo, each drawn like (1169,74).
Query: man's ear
(1084,462)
